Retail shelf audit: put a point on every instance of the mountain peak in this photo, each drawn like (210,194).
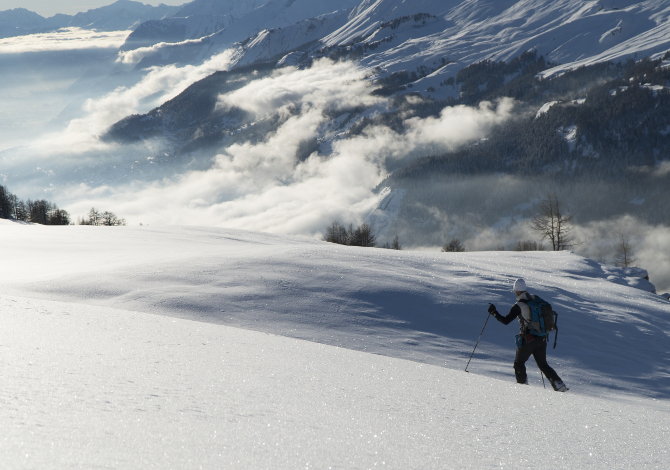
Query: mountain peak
(218,8)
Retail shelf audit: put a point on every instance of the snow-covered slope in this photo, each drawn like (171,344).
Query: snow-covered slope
(121,15)
(86,385)
(194,20)
(424,306)
(273,43)
(396,35)
(567,32)
(292,24)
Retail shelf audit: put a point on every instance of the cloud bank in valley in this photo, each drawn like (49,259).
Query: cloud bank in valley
(596,240)
(43,74)
(81,138)
(134,56)
(63,40)
(650,244)
(266,186)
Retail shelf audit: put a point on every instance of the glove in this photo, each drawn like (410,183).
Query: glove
(492,309)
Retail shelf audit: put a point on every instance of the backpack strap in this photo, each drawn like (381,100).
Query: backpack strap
(522,320)
(556,325)
(526,323)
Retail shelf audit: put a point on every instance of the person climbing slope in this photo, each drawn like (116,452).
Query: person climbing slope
(528,343)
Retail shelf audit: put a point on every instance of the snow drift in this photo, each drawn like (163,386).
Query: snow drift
(91,378)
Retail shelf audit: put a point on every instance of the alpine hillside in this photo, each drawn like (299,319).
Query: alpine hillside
(448,118)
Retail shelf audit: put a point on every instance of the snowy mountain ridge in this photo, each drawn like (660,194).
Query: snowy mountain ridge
(122,15)
(194,20)
(568,32)
(233,29)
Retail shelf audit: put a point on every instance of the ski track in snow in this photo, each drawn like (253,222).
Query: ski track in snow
(90,379)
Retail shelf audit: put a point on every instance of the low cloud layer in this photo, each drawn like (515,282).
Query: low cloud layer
(650,245)
(264,186)
(326,86)
(62,40)
(660,170)
(159,85)
(81,137)
(134,56)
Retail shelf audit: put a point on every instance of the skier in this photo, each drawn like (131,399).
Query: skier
(527,343)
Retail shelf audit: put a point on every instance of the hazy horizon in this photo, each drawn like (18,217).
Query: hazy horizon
(48,9)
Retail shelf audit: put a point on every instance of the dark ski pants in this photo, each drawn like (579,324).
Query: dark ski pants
(538,349)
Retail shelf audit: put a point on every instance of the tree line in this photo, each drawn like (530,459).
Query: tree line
(100,218)
(47,213)
(362,235)
(551,222)
(38,212)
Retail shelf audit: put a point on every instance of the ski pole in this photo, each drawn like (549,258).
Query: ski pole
(480,337)
(542,375)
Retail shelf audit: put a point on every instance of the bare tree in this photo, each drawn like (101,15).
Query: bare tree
(624,253)
(59,217)
(94,217)
(6,203)
(454,246)
(38,211)
(336,233)
(554,224)
(395,244)
(109,219)
(360,236)
(20,209)
(528,245)
(363,236)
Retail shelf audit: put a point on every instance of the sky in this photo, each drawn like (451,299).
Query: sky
(49,8)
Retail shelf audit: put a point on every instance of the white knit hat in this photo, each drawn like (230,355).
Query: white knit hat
(519,286)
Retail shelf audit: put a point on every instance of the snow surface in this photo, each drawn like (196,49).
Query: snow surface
(545,107)
(91,378)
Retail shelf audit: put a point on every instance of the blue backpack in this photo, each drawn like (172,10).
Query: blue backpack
(543,318)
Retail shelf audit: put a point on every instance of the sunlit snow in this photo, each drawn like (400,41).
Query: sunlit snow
(186,347)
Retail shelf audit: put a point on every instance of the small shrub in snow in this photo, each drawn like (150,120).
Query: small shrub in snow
(454,246)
